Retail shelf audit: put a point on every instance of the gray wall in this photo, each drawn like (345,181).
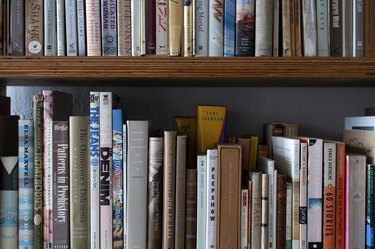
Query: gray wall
(319,111)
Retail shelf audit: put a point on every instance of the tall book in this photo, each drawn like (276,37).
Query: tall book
(340,194)
(124,34)
(191,209)
(175,26)
(264,218)
(60,28)
(151,27)
(117,180)
(138,27)
(309,27)
(229,21)
(154,193)
(358,28)
(276,28)
(137,151)
(347,28)
(162,27)
(50,43)
(215,28)
(125,178)
(188,28)
(355,201)
(79,163)
(188,126)
(263,29)
(245,28)
(370,206)
(322,27)
(201,200)
(298,26)
(244,217)
(81,28)
(286,28)
(336,28)
(38,169)
(9,181)
(105,169)
(71,27)
(369,31)
(249,219)
(210,126)
(201,27)
(303,195)
(109,27)
(93,28)
(281,212)
(228,233)
(16,28)
(211,217)
(34,28)
(61,186)
(25,183)
(256,209)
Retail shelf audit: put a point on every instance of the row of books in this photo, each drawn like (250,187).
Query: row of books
(186,27)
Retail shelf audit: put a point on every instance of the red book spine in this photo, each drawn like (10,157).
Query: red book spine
(340,195)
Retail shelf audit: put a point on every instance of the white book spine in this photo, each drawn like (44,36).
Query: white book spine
(71,27)
(358,28)
(288,226)
(322,27)
(94,170)
(215,28)
(244,217)
(263,28)
(125,178)
(273,211)
(303,197)
(137,153)
(105,124)
(81,28)
(60,27)
(138,27)
(309,27)
(211,183)
(201,200)
(93,28)
(276,28)
(201,27)
(50,28)
(162,27)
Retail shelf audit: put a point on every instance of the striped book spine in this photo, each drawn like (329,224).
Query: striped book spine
(109,27)
(50,28)
(81,28)
(60,27)
(229,27)
(93,28)
(71,27)
(25,183)
(215,28)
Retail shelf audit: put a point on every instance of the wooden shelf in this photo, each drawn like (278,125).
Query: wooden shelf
(176,71)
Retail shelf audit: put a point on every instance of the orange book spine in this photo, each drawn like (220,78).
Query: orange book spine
(340,195)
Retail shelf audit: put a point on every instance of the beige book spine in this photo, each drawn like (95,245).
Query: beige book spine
(188,28)
(34,28)
(175,31)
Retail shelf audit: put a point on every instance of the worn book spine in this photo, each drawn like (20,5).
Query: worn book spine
(309,28)
(264,214)
(71,27)
(50,28)
(188,29)
(369,31)
(81,28)
(347,28)
(79,163)
(109,27)
(151,27)
(358,28)
(34,28)
(336,28)
(281,212)
(201,200)
(38,169)
(61,186)
(175,26)
(155,194)
(244,218)
(211,216)
(340,195)
(117,180)
(370,206)
(276,28)
(229,27)
(60,28)
(215,28)
(124,40)
(25,183)
(137,152)
(201,27)
(105,169)
(303,196)
(162,27)
(322,27)
(245,28)
(93,28)
(263,31)
(137,24)
(191,209)
(16,44)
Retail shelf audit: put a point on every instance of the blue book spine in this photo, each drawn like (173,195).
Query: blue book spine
(25,184)
(370,207)
(229,27)
(109,27)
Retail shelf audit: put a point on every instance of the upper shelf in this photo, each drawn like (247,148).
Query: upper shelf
(176,71)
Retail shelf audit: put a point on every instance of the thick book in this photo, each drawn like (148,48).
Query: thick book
(358,28)
(228,198)
(244,217)
(303,221)
(60,28)
(245,28)
(336,28)
(281,212)
(162,27)
(105,169)
(71,27)
(264,26)
(370,206)
(25,183)
(124,34)
(9,181)
(211,216)
(256,209)
(347,28)
(187,49)
(210,126)
(93,30)
(79,127)
(175,26)
(201,27)
(151,27)
(215,28)
(137,151)
(50,35)
(16,44)
(34,28)
(201,200)
(81,28)
(188,126)
(340,194)
(322,28)
(109,27)
(369,31)
(138,12)
(117,180)
(154,193)
(61,185)
(229,23)
(264,218)
(191,209)
(309,28)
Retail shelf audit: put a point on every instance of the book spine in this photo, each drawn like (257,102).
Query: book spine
(188,28)
(340,195)
(256,208)
(263,31)
(288,222)
(79,162)
(281,212)
(61,188)
(71,27)
(201,28)
(151,27)
(347,26)
(162,27)
(245,28)
(244,217)
(105,169)
(298,28)
(369,31)
(81,28)
(175,26)
(336,29)
(48,112)
(303,196)
(60,27)
(276,28)
(38,169)
(17,29)
(370,207)
(286,27)
(358,28)
(264,220)
(211,220)
(155,188)
(249,218)
(125,183)
(124,40)
(109,27)
(137,184)
(169,183)
(117,180)
(215,28)
(229,27)
(201,200)
(50,28)
(93,28)
(309,27)
(191,209)
(25,183)
(34,28)
(138,21)
(322,27)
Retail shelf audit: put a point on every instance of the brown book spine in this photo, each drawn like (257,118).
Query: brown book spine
(292,27)
(340,195)
(298,27)
(281,211)
(285,24)
(188,125)
(34,28)
(191,209)
(369,28)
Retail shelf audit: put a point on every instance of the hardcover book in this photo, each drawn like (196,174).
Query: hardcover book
(245,28)
(309,28)
(34,28)
(191,209)
(263,29)
(336,28)
(244,217)
(188,28)
(340,194)
(124,34)
(211,216)
(188,126)
(322,27)
(109,27)
(215,28)
(281,212)
(175,26)
(151,27)
(162,27)
(264,214)
(93,30)
(245,148)
(229,20)
(60,28)
(138,27)
(358,28)
(17,28)
(201,27)
(50,28)
(71,27)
